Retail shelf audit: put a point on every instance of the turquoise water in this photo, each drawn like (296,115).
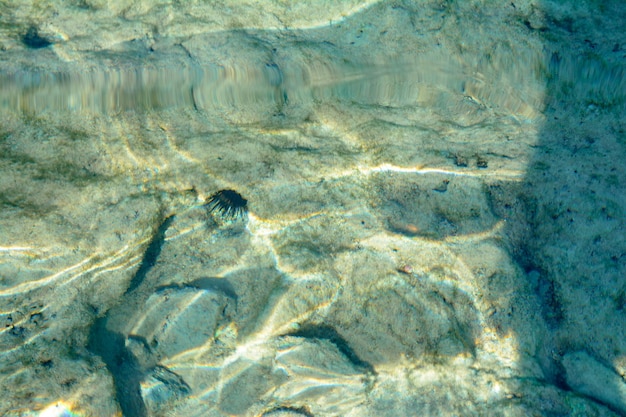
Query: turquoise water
(429,209)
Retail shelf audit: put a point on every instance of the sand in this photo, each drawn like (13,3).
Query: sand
(434,219)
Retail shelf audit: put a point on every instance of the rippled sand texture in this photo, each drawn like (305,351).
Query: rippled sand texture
(435,209)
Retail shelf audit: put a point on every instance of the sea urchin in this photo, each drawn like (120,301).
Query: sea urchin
(227,203)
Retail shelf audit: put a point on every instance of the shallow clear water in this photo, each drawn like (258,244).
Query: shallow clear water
(383,209)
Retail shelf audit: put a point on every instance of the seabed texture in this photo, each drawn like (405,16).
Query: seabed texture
(434,216)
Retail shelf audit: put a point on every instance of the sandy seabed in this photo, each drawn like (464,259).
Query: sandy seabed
(434,218)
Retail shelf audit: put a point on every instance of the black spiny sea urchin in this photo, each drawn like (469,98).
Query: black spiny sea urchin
(228,204)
